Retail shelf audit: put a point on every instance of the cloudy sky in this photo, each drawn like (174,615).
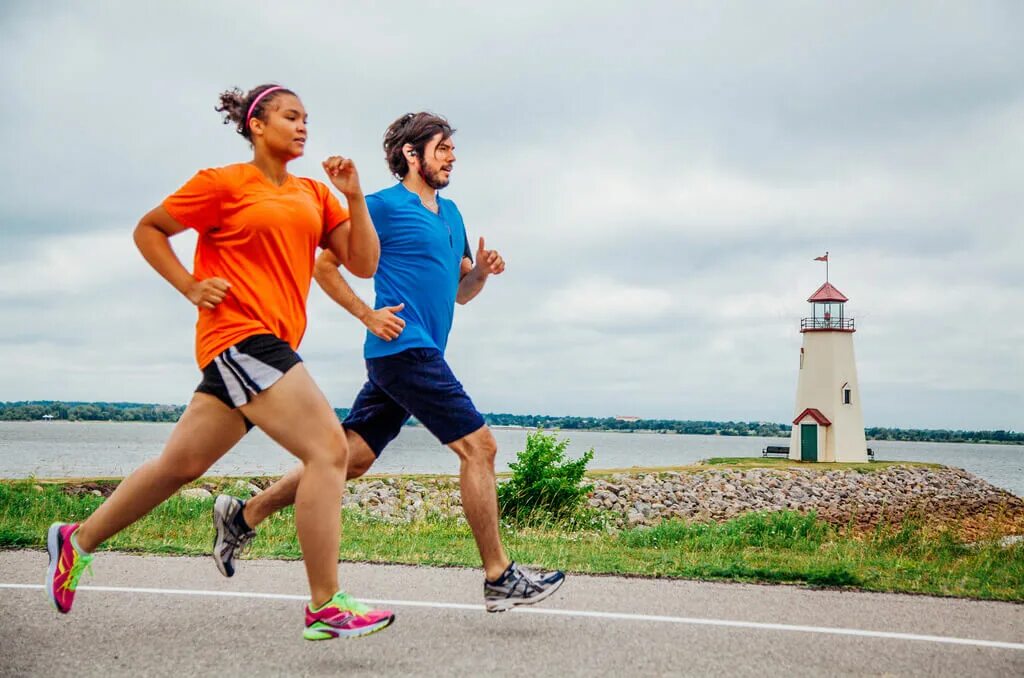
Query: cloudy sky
(659,177)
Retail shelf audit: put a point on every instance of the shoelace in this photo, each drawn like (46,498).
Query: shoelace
(528,578)
(81,564)
(346,602)
(239,542)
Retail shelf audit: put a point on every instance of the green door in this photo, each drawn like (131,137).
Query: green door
(808,442)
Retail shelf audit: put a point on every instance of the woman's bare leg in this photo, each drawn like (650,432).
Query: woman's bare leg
(295,414)
(206,431)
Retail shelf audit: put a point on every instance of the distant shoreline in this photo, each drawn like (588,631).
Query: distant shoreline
(634,431)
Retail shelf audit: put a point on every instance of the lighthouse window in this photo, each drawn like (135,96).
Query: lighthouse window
(846,396)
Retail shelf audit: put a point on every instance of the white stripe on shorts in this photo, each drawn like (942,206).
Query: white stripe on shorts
(244,375)
(235,386)
(262,374)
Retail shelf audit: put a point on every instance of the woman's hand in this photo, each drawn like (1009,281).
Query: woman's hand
(208,293)
(343,174)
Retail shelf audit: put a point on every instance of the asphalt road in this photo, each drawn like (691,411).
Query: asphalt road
(147,615)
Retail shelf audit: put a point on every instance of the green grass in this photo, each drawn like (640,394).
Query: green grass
(782,547)
(742,463)
(747,463)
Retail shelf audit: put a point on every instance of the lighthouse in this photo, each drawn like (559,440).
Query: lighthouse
(829,423)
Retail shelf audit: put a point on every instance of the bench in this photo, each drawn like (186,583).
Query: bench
(780,451)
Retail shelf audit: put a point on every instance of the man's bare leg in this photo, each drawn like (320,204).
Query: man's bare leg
(477,481)
(480,497)
(282,492)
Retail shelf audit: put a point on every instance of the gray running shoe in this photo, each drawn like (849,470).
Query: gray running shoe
(229,539)
(519,586)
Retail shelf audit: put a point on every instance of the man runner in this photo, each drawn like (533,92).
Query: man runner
(425,267)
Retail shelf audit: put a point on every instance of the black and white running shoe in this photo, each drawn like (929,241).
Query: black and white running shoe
(231,536)
(519,586)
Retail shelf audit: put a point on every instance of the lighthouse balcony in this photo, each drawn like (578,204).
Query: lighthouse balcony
(834,324)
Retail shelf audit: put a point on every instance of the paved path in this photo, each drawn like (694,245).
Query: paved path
(189,620)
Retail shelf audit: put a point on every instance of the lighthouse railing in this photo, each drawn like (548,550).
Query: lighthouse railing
(826,324)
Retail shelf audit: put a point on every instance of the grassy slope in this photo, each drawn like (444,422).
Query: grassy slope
(780,547)
(714,463)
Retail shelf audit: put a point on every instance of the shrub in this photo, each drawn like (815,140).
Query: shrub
(545,487)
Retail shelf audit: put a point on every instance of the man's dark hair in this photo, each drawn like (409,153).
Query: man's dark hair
(415,129)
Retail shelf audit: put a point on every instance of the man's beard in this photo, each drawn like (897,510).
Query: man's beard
(433,179)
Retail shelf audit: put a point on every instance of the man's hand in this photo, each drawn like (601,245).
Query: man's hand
(342,173)
(488,262)
(208,293)
(384,323)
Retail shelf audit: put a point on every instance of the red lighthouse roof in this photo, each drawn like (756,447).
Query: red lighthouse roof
(827,293)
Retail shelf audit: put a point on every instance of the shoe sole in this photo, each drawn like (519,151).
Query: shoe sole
(218,537)
(53,548)
(508,603)
(317,634)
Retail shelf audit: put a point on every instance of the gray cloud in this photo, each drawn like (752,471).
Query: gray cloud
(657,177)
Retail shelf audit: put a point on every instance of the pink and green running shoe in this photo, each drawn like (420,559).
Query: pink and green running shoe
(345,617)
(66,566)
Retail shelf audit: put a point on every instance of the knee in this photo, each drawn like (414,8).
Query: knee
(333,452)
(358,467)
(183,472)
(483,448)
(360,456)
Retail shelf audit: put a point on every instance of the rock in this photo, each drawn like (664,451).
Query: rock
(246,487)
(195,493)
(624,500)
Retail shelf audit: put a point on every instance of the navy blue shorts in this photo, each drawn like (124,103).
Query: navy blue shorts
(416,382)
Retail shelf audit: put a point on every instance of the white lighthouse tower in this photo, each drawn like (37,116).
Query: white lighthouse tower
(829,424)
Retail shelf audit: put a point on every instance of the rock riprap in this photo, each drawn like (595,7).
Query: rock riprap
(838,496)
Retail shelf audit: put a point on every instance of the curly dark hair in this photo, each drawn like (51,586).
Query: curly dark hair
(234,104)
(415,129)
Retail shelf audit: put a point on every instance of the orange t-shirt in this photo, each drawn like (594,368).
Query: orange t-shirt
(262,239)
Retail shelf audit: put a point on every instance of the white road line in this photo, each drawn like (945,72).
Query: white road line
(622,616)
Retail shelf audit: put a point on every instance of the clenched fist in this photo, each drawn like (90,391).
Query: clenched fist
(208,293)
(343,174)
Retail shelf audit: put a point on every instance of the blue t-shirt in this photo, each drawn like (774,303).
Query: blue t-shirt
(420,258)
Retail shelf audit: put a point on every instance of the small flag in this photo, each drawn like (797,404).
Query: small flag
(824,258)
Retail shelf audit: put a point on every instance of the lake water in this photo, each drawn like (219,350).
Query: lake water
(76,449)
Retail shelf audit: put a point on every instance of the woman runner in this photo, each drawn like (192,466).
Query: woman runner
(259,228)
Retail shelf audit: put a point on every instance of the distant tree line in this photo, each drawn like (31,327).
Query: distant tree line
(78,411)
(944,435)
(81,411)
(721,428)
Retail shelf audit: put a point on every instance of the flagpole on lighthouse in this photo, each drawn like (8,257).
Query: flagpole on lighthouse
(825,259)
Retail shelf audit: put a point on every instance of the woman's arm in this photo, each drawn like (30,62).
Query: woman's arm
(152,237)
(354,242)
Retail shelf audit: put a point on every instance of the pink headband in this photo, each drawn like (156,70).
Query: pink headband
(257,100)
